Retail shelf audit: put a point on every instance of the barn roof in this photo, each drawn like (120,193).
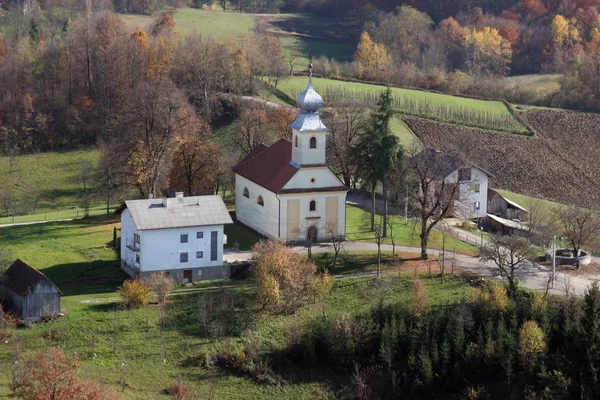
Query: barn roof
(21,278)
(507,200)
(269,167)
(180,212)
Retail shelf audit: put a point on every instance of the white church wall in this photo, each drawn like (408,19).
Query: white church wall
(323,177)
(316,217)
(263,219)
(303,154)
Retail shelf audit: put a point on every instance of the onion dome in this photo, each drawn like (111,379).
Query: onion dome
(309,100)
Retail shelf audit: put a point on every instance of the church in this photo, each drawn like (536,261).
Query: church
(286,191)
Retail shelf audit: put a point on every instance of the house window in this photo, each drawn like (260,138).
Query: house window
(213,245)
(464,174)
(474,187)
(199,235)
(313,142)
(199,254)
(296,141)
(246,193)
(137,258)
(183,257)
(184,238)
(313,205)
(136,237)
(476,205)
(260,201)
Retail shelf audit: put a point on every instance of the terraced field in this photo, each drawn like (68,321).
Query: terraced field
(442,107)
(555,165)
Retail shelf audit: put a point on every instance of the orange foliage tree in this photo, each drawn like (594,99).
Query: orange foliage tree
(251,130)
(280,119)
(195,163)
(52,375)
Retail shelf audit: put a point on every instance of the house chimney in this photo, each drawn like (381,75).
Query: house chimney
(178,195)
(150,196)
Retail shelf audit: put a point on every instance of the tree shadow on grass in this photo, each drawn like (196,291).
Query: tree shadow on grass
(91,277)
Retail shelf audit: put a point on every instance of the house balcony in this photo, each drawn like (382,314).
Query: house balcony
(132,245)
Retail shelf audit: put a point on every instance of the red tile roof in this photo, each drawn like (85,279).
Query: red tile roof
(22,278)
(268,167)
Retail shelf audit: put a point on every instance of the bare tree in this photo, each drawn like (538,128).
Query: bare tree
(580,226)
(251,131)
(537,222)
(309,233)
(345,127)
(337,240)
(431,190)
(161,284)
(509,254)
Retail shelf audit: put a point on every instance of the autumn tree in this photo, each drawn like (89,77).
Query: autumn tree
(588,343)
(279,120)
(579,226)
(488,51)
(161,285)
(159,113)
(371,57)
(53,375)
(508,254)
(251,130)
(284,278)
(195,162)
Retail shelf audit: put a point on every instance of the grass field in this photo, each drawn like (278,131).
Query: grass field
(443,107)
(357,228)
(525,201)
(50,178)
(405,135)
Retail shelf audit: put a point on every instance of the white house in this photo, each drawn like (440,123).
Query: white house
(182,236)
(469,202)
(286,190)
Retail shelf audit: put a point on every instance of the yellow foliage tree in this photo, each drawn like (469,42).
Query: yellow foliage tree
(135,293)
(565,33)
(285,279)
(372,56)
(531,343)
(488,51)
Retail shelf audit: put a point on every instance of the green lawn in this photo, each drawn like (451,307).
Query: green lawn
(525,201)
(221,25)
(406,136)
(74,254)
(357,228)
(443,107)
(50,178)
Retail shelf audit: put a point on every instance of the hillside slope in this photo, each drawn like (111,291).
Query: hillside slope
(549,165)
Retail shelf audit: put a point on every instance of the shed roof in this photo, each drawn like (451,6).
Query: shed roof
(507,222)
(180,212)
(512,203)
(269,167)
(21,278)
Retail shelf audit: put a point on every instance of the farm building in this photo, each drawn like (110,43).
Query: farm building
(502,207)
(28,293)
(182,236)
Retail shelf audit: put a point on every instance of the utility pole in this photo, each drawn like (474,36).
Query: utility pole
(553,260)
(406,207)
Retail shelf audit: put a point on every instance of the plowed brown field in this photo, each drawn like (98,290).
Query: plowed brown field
(561,163)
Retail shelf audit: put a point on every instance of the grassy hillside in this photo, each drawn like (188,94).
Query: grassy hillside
(45,181)
(443,107)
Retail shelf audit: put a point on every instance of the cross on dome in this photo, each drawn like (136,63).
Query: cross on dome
(309,100)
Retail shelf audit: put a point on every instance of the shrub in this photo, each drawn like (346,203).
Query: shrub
(531,343)
(284,278)
(161,285)
(178,390)
(493,298)
(53,375)
(418,304)
(135,293)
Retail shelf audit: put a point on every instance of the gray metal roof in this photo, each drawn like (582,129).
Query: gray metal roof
(308,121)
(180,212)
(309,99)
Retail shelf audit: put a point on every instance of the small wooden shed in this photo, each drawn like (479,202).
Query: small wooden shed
(28,293)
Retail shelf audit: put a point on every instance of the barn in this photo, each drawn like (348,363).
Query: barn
(28,293)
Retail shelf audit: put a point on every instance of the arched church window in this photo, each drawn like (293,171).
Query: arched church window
(313,205)
(246,193)
(313,142)
(260,201)
(296,141)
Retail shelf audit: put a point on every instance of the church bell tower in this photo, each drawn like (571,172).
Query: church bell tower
(309,135)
